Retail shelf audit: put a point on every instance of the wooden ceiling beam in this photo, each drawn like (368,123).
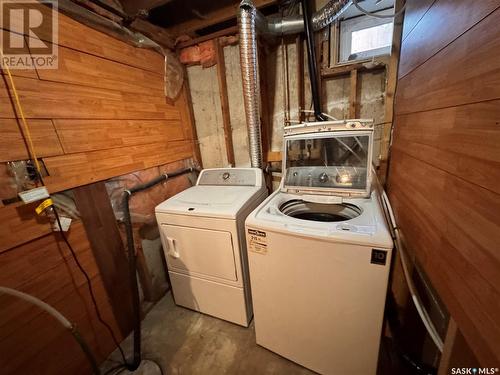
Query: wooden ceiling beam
(212,18)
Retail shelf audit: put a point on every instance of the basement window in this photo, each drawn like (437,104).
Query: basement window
(365,37)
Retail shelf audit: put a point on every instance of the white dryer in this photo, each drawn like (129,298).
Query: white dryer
(320,252)
(202,232)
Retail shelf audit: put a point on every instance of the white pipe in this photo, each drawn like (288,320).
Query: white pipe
(424,316)
(35,301)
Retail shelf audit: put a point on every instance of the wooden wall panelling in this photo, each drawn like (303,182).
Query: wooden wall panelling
(45,268)
(414,12)
(91,135)
(13,145)
(445,161)
(20,224)
(50,100)
(444,22)
(456,249)
(76,36)
(462,73)
(462,140)
(99,220)
(72,170)
(84,69)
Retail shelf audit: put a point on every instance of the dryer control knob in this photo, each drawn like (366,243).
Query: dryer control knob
(225,176)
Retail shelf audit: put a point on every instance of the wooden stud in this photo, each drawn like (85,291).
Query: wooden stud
(390,92)
(226,32)
(222,14)
(224,102)
(99,220)
(353,96)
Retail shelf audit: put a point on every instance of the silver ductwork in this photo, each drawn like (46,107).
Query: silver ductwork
(249,75)
(252,21)
(329,13)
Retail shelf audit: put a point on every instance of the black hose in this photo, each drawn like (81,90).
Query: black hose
(311,59)
(136,311)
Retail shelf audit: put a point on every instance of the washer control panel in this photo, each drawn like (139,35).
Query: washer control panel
(231,177)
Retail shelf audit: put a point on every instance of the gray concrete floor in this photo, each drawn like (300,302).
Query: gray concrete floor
(186,342)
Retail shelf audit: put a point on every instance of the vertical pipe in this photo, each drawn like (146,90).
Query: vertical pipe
(311,58)
(249,69)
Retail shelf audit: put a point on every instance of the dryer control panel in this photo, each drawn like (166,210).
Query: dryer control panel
(231,177)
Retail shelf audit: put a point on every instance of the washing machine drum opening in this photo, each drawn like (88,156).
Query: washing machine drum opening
(303,210)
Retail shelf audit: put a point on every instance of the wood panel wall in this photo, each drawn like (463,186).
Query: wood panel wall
(102,114)
(445,159)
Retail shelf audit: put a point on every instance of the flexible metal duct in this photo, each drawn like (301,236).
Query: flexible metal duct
(249,75)
(329,13)
(251,21)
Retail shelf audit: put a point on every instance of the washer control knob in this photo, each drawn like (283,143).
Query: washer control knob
(323,177)
(225,176)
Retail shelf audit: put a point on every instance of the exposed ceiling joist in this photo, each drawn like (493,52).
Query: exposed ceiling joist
(217,16)
(133,7)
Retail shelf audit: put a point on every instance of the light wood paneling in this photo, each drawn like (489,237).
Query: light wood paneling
(13,146)
(102,114)
(430,34)
(71,170)
(45,269)
(19,225)
(464,140)
(89,70)
(51,100)
(85,39)
(414,12)
(445,161)
(464,72)
(90,135)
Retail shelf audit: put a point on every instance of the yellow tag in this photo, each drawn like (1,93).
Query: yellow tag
(46,203)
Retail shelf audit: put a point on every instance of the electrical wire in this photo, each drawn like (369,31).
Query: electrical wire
(89,287)
(31,149)
(372,14)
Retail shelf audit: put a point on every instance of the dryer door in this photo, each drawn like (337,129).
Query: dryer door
(199,252)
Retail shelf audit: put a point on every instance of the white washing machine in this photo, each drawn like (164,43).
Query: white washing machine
(203,237)
(320,252)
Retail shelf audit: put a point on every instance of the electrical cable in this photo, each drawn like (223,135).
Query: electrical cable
(32,152)
(372,14)
(31,148)
(89,287)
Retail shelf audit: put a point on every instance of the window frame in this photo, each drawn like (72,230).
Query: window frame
(344,30)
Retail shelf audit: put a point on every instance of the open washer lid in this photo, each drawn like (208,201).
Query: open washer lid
(328,158)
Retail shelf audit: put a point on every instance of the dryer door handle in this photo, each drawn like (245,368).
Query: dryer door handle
(172,248)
